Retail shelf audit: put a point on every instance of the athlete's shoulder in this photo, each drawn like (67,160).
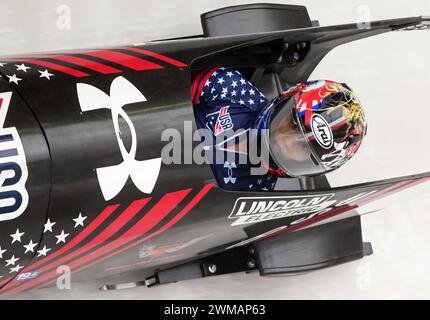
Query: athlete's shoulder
(227,85)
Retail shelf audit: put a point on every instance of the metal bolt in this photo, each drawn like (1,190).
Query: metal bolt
(303,44)
(296,56)
(251,263)
(251,250)
(212,268)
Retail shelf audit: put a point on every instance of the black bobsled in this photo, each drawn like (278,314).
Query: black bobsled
(85,184)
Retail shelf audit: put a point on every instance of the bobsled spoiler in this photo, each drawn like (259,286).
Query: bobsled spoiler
(398,24)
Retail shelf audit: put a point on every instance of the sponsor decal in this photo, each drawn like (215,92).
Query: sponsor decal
(322,131)
(229,166)
(248,210)
(13,167)
(251,210)
(27,276)
(221,119)
(112,179)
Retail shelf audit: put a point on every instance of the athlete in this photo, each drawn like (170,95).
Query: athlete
(310,129)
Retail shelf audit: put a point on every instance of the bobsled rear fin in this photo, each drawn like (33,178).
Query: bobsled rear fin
(250,18)
(296,52)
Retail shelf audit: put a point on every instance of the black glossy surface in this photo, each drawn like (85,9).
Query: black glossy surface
(64,146)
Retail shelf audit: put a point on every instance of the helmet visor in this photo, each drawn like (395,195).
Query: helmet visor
(289,146)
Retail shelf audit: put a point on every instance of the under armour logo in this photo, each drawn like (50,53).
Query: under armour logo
(112,179)
(230,166)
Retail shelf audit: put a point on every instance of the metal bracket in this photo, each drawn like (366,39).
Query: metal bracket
(309,249)
(240,259)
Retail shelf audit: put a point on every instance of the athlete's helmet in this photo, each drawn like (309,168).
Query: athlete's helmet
(313,128)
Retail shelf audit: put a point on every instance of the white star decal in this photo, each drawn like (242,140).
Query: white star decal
(243,92)
(233,93)
(43,251)
(48,226)
(251,92)
(62,237)
(17,236)
(242,81)
(1,252)
(221,80)
(223,96)
(16,269)
(14,79)
(207,84)
(251,101)
(30,247)
(224,90)
(21,67)
(234,84)
(79,221)
(230,74)
(11,261)
(241,102)
(45,74)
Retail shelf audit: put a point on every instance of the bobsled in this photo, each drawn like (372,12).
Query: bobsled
(85,190)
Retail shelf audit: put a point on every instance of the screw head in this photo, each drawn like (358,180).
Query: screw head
(212,268)
(251,263)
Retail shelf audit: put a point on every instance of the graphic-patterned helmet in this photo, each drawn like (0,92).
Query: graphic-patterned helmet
(314,128)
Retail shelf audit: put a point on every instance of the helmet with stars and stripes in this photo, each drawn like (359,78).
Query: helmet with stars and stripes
(313,128)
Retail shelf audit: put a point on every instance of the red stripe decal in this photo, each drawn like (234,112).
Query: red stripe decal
(75,241)
(347,207)
(54,66)
(114,227)
(168,225)
(5,281)
(157,213)
(105,235)
(158,56)
(106,213)
(124,59)
(89,64)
